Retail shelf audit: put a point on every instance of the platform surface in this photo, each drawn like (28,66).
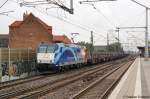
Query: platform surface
(135,84)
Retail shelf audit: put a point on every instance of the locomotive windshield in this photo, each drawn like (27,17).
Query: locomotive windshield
(47,48)
(51,48)
(42,49)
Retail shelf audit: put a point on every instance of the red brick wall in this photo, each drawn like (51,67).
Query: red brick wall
(29,34)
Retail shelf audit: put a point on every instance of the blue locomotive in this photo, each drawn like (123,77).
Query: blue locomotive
(58,56)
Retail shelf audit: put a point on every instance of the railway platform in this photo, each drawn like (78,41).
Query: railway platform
(135,84)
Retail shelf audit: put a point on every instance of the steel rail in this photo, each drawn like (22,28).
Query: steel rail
(23,90)
(85,90)
(113,85)
(55,86)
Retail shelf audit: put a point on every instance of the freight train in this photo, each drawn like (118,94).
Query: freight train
(60,56)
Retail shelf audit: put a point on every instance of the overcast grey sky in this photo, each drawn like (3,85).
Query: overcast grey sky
(102,20)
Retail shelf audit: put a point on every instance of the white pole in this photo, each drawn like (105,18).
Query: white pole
(146,35)
(71,6)
(146,29)
(0,67)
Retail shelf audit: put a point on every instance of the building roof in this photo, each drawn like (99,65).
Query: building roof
(143,48)
(61,38)
(18,23)
(43,23)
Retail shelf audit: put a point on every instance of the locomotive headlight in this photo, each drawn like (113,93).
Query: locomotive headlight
(50,61)
(39,61)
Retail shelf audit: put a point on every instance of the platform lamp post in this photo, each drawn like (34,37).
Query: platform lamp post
(146,28)
(73,35)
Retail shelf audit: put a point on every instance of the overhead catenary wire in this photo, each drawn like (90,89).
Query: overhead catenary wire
(69,22)
(139,19)
(135,36)
(81,26)
(77,25)
(135,41)
(106,18)
(96,33)
(130,19)
(3,3)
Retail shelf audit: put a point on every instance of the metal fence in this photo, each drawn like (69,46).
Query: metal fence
(14,62)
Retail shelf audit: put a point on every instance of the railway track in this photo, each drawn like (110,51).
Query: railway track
(97,90)
(12,83)
(29,79)
(19,81)
(43,89)
(36,90)
(23,90)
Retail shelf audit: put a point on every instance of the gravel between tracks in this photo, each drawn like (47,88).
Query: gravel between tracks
(51,79)
(67,91)
(97,91)
(45,80)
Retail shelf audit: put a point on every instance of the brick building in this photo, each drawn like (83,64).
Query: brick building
(29,32)
(3,40)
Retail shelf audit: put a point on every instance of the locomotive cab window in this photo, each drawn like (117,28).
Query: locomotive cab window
(42,49)
(51,48)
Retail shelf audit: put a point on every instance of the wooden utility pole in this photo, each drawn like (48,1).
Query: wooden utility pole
(107,42)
